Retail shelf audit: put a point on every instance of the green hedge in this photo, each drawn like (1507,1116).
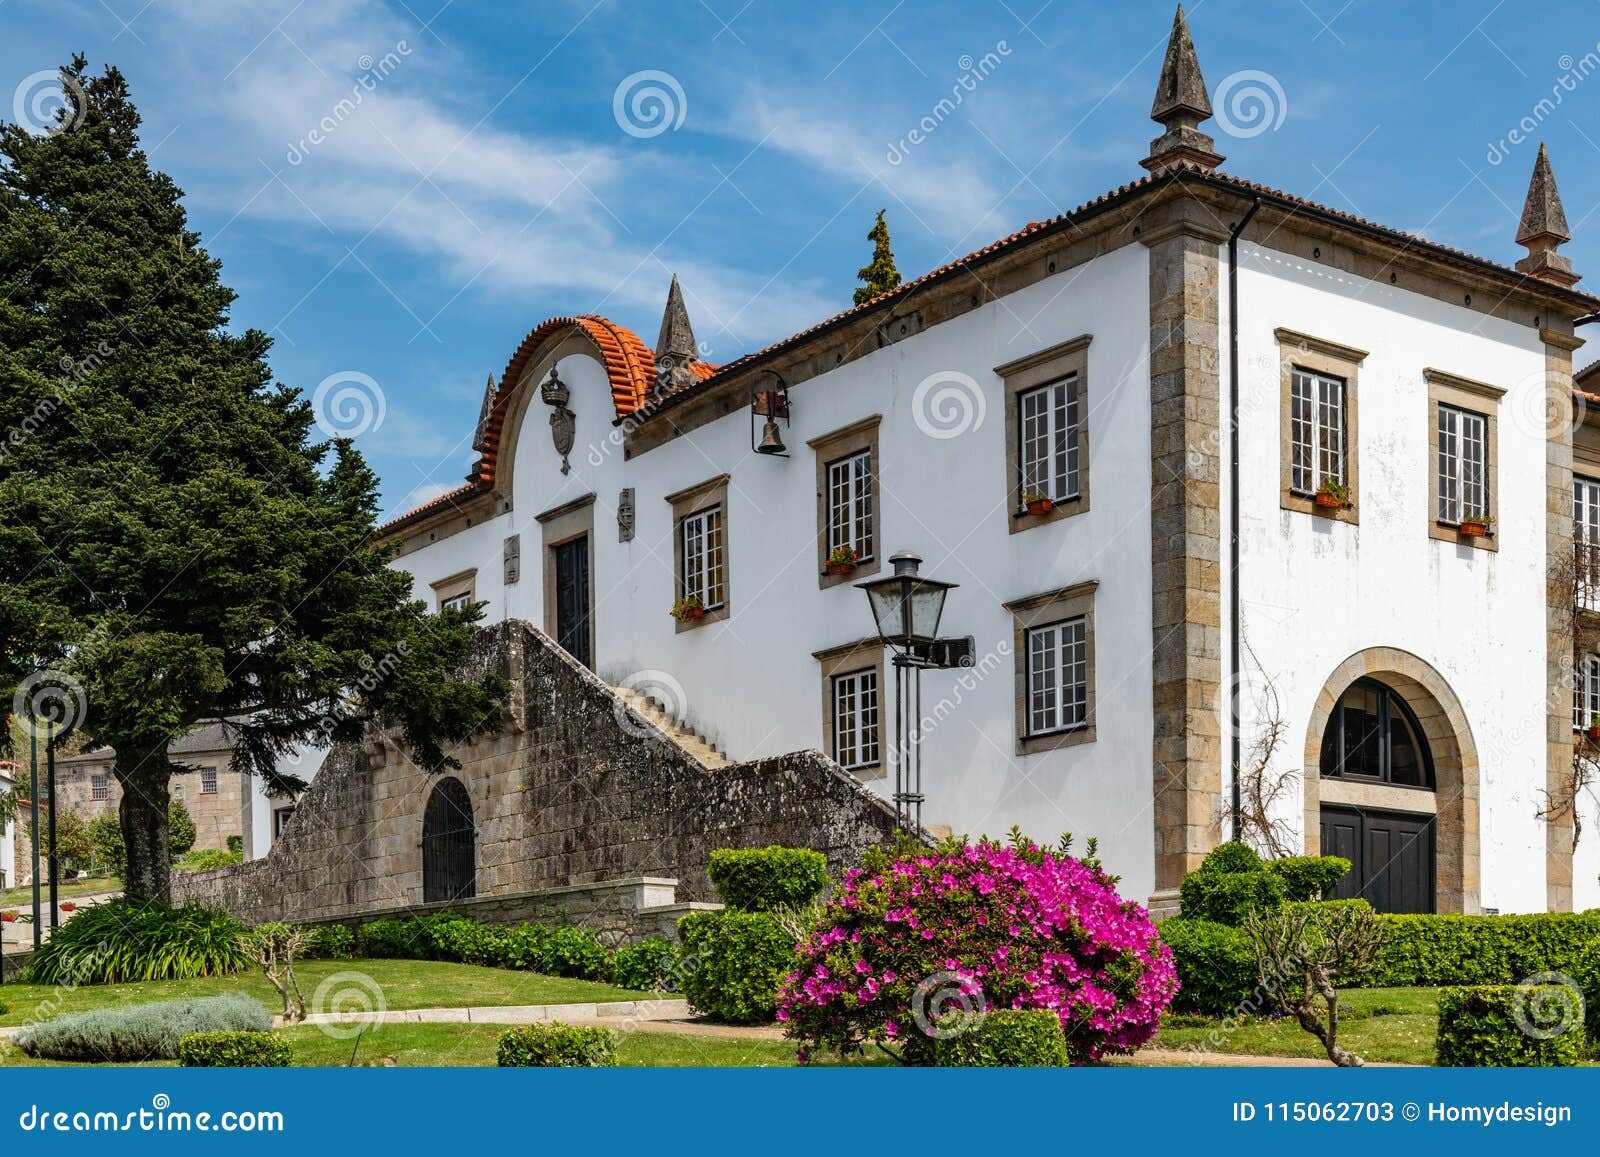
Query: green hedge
(570,951)
(1431,951)
(124,941)
(556,1046)
(1588,976)
(1002,1038)
(142,1032)
(1227,899)
(234,1050)
(1217,973)
(733,963)
(1309,877)
(649,965)
(761,879)
(1478,1027)
(330,942)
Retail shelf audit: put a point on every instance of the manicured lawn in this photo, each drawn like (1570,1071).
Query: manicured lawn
(1395,1025)
(455,1045)
(404,984)
(21,899)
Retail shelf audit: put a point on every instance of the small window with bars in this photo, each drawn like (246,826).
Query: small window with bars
(849,482)
(1463,466)
(855,719)
(1048,426)
(1058,677)
(1586,693)
(208,781)
(704,574)
(1317,432)
(99,787)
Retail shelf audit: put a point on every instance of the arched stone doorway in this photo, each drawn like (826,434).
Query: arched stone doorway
(1427,707)
(449,852)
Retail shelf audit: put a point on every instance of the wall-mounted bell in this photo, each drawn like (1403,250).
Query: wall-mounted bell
(771,442)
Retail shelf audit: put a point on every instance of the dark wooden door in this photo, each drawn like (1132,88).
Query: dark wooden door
(572,598)
(449,870)
(1392,856)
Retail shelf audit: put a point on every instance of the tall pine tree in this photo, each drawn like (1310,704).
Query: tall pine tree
(879,275)
(176,547)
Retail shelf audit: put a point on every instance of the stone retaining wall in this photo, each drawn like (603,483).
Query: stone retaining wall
(578,790)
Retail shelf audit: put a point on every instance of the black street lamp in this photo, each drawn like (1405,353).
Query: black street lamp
(906,609)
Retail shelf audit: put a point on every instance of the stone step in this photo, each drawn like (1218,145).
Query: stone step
(692,742)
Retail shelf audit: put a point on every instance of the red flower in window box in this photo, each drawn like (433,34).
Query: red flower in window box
(688,608)
(842,561)
(1475,527)
(1038,504)
(1332,495)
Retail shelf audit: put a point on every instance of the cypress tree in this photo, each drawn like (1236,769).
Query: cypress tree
(176,547)
(879,275)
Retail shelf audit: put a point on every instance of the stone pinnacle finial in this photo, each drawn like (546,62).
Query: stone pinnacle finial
(1181,104)
(479,439)
(1543,228)
(676,347)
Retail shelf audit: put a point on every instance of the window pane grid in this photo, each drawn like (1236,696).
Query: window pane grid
(1058,677)
(1051,427)
(1463,465)
(850,505)
(1586,540)
(1585,692)
(855,719)
(703,560)
(1316,431)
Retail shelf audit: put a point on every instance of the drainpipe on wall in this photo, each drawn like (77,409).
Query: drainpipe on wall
(1234,626)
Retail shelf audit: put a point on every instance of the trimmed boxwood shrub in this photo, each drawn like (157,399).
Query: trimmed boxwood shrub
(733,963)
(142,1032)
(1225,898)
(761,879)
(556,1045)
(1002,1038)
(1231,859)
(234,1050)
(1430,951)
(650,964)
(1217,974)
(1309,877)
(123,941)
(1478,1027)
(330,942)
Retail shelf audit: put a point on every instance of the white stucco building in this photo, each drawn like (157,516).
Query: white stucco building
(1380,393)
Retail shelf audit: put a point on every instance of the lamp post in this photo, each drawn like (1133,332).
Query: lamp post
(906,609)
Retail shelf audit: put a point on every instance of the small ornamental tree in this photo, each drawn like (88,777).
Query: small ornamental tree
(879,275)
(966,929)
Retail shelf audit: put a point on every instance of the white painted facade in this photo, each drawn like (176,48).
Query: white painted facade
(1316,592)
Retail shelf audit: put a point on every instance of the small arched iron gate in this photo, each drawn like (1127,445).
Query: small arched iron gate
(448,854)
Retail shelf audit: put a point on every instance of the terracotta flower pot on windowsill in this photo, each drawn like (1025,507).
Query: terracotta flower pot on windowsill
(839,568)
(1326,501)
(1593,733)
(1471,528)
(1038,506)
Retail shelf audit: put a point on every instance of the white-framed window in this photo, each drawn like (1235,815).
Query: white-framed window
(1585,691)
(1058,676)
(704,565)
(99,787)
(855,719)
(1048,425)
(208,781)
(464,599)
(1463,465)
(1316,431)
(1586,540)
(849,483)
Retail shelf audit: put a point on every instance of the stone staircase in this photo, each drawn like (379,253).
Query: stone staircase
(692,742)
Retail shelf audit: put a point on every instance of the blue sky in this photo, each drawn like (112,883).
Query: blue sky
(486,180)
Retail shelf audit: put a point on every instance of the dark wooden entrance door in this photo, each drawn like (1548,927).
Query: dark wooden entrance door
(572,598)
(448,861)
(1392,857)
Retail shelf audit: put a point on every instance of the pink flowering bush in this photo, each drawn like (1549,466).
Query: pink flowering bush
(911,940)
